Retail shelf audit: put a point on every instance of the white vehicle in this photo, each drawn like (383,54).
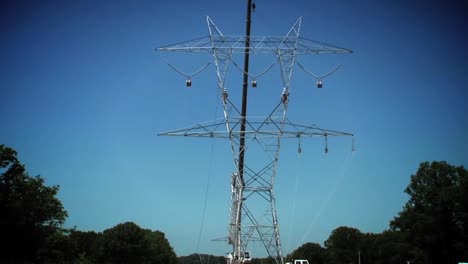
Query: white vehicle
(299,261)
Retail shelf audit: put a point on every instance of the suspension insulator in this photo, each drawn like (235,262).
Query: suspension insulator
(319,84)
(326,144)
(225,95)
(254,84)
(284,96)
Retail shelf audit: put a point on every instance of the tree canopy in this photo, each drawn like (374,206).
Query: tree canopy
(435,217)
(123,243)
(29,210)
(313,252)
(128,243)
(201,258)
(344,244)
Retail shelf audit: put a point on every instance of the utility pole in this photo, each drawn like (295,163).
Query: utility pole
(245,86)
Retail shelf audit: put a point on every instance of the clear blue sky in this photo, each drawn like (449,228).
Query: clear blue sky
(83,95)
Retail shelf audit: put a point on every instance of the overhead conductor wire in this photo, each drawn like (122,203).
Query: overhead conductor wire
(207,189)
(347,163)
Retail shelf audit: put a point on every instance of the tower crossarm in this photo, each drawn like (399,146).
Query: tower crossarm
(257,128)
(259,44)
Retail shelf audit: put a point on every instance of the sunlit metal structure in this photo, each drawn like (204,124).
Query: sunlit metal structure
(253,214)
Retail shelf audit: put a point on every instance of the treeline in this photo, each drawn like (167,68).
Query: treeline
(121,244)
(31,219)
(350,245)
(431,228)
(201,258)
(344,245)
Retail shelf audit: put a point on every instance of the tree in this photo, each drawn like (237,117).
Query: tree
(29,211)
(201,259)
(435,217)
(128,243)
(265,260)
(86,245)
(59,248)
(344,245)
(313,252)
(390,247)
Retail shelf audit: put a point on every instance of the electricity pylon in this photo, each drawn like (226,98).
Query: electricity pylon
(253,214)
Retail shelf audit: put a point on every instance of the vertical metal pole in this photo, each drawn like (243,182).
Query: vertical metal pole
(245,85)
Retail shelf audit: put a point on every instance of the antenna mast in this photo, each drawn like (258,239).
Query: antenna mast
(253,204)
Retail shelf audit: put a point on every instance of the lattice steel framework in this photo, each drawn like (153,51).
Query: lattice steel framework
(253,208)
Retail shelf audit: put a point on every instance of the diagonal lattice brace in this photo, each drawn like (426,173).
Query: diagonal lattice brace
(287,54)
(222,57)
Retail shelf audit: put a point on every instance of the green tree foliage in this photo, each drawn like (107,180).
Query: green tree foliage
(201,259)
(343,245)
(435,217)
(390,247)
(128,243)
(29,211)
(313,252)
(267,260)
(349,245)
(124,243)
(86,245)
(59,248)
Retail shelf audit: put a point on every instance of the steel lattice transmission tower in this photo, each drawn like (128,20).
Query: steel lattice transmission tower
(253,207)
